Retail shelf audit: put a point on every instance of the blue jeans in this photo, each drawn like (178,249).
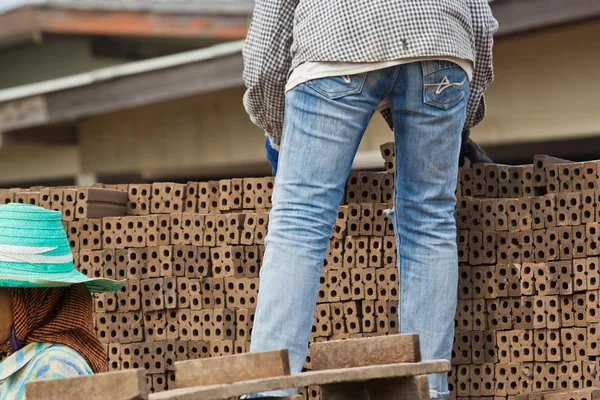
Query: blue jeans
(325,120)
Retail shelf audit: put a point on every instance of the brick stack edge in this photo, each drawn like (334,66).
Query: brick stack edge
(528,243)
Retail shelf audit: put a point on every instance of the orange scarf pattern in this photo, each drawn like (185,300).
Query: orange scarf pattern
(59,315)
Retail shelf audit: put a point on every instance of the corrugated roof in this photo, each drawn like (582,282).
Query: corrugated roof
(203,6)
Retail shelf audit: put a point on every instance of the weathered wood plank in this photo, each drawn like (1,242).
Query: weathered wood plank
(352,353)
(326,377)
(120,385)
(229,369)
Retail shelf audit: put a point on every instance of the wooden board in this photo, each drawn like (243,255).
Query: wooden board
(362,374)
(119,385)
(229,369)
(393,349)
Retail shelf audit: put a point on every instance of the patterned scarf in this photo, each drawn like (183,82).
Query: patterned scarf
(58,315)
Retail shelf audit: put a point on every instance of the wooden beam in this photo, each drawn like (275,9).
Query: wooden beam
(142,23)
(516,16)
(352,353)
(117,385)
(362,374)
(229,369)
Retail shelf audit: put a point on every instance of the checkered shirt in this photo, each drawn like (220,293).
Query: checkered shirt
(285,33)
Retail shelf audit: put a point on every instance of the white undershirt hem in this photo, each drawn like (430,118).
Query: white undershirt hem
(323,69)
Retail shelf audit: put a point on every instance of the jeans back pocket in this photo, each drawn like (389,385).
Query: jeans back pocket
(445,84)
(336,87)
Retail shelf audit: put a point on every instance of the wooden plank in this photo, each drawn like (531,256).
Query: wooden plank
(327,377)
(120,385)
(517,16)
(352,353)
(229,369)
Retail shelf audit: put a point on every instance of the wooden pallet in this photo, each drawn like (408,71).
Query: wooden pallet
(383,368)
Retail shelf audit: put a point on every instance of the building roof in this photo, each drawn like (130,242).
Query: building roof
(123,86)
(177,6)
(22,20)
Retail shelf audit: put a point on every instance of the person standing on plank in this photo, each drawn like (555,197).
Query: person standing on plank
(316,72)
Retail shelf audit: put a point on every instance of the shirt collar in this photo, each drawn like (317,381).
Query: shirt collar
(19,359)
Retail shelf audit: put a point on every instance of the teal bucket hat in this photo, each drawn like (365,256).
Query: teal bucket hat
(35,251)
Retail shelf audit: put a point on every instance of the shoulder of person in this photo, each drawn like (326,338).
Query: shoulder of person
(59,361)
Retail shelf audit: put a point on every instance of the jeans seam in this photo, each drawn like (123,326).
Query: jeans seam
(392,81)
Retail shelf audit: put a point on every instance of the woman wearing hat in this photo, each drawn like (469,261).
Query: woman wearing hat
(45,304)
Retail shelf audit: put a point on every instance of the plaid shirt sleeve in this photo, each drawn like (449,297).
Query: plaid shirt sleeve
(267,61)
(484,27)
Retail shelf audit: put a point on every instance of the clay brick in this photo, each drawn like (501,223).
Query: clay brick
(462,380)
(152,294)
(503,181)
(461,214)
(593,338)
(478,347)
(464,315)
(592,273)
(579,309)
(553,312)
(541,345)
(155,325)
(527,279)
(479,180)
(588,211)
(539,312)
(462,351)
(579,243)
(464,283)
(553,275)
(480,320)
(475,214)
(567,311)
(579,275)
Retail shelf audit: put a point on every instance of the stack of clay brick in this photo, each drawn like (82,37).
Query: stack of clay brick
(528,309)
(191,255)
(528,238)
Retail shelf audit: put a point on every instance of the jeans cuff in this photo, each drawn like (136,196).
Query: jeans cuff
(435,395)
